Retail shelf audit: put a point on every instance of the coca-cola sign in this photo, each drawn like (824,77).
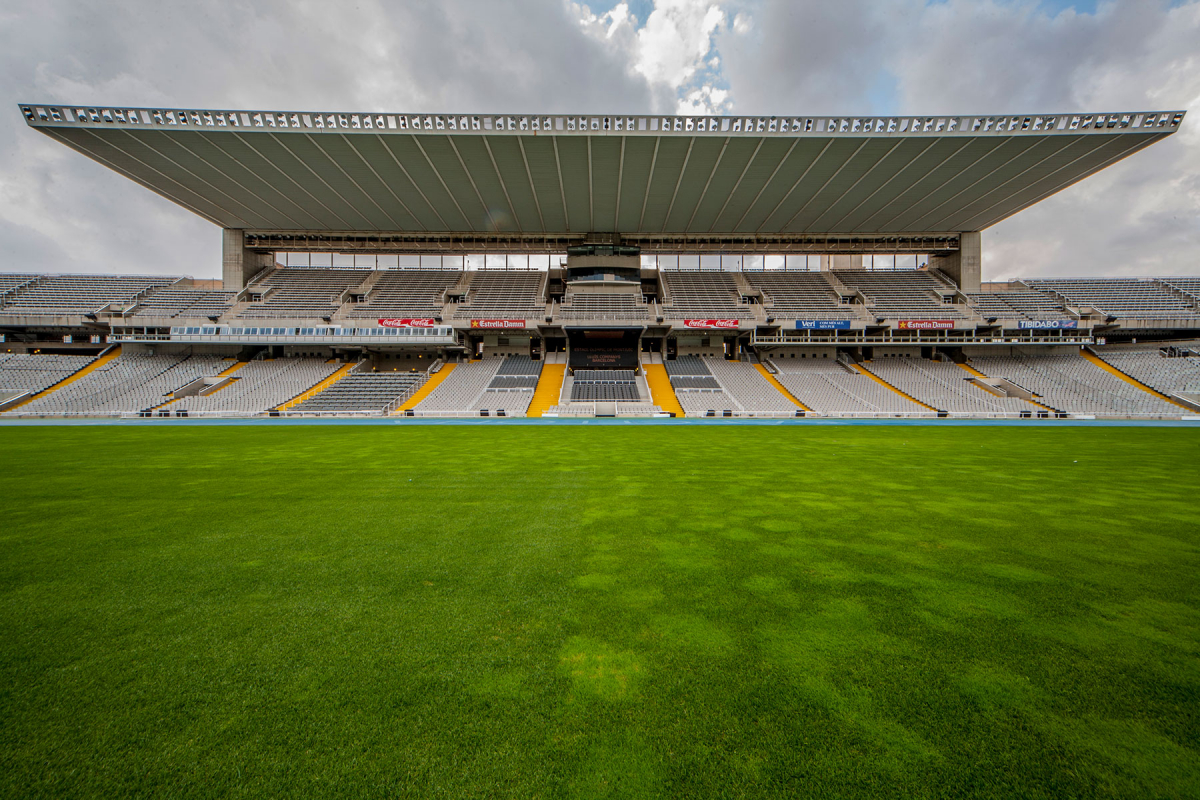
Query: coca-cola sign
(408,322)
(711,323)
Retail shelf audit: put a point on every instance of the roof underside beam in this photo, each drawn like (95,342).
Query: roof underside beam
(496,176)
(430,243)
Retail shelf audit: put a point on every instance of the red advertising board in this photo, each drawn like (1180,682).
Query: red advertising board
(710,323)
(925,324)
(501,324)
(408,322)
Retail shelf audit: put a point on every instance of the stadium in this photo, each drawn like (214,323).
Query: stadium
(598,266)
(599,456)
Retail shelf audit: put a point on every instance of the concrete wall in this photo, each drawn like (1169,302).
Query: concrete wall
(238,264)
(965,267)
(840,262)
(792,353)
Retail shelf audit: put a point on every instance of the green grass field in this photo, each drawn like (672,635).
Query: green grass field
(588,611)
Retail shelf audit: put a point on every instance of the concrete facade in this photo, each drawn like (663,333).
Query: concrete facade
(965,267)
(238,264)
(833,262)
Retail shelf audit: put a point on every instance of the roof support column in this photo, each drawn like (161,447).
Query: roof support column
(965,267)
(238,264)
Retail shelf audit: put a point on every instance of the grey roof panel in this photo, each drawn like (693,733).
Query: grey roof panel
(637,175)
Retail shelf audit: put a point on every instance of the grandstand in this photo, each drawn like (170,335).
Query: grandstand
(920,295)
(702,294)
(594,306)
(943,386)
(132,383)
(806,295)
(406,293)
(1171,371)
(511,390)
(300,293)
(1073,385)
(713,374)
(513,294)
(24,374)
(1029,305)
(256,387)
(362,393)
(834,389)
(681,258)
(54,295)
(187,303)
(1123,297)
(699,392)
(460,393)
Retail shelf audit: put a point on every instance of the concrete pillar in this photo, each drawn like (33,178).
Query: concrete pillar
(238,264)
(964,267)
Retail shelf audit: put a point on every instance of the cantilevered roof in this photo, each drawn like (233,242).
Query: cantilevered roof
(640,176)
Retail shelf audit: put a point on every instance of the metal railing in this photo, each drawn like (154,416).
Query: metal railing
(924,338)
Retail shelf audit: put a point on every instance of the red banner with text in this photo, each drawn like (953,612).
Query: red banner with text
(408,322)
(925,324)
(499,324)
(711,323)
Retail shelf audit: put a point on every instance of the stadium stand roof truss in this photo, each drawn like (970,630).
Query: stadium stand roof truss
(442,182)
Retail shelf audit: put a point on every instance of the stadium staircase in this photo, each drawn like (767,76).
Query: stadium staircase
(972,371)
(1091,356)
(87,369)
(771,379)
(863,369)
(839,287)
(320,387)
(206,391)
(987,388)
(435,380)
(549,387)
(364,288)
(662,394)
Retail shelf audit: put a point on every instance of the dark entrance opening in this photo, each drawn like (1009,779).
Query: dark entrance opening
(604,348)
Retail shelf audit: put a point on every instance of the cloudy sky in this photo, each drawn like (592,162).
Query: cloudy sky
(61,212)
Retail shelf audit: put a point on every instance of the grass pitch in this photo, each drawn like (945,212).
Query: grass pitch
(584,611)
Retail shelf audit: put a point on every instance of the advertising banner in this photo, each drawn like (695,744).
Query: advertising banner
(710,323)
(925,324)
(823,324)
(498,324)
(407,322)
(1048,324)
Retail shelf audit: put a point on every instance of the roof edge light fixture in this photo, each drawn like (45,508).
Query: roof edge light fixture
(81,116)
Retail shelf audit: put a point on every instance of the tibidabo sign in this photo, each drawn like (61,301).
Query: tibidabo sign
(823,324)
(710,323)
(407,322)
(1048,324)
(501,324)
(925,324)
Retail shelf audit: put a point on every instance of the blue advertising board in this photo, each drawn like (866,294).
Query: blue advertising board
(1047,324)
(823,324)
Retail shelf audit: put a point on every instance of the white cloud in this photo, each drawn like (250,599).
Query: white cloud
(707,100)
(670,50)
(61,211)
(1138,217)
(676,40)
(1141,216)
